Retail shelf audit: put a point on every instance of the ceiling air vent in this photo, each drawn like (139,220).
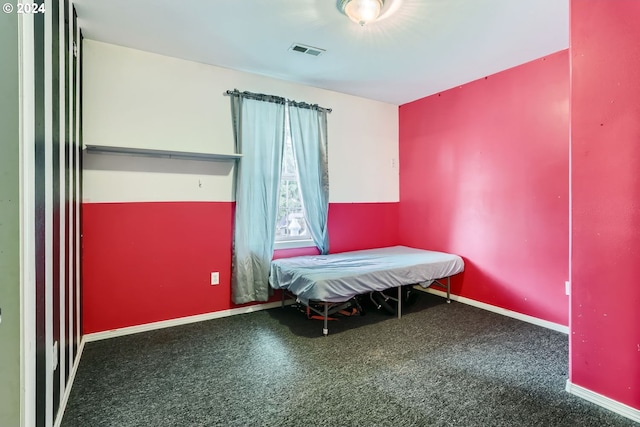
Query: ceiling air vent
(309,50)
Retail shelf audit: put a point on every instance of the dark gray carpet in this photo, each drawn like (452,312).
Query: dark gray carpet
(440,365)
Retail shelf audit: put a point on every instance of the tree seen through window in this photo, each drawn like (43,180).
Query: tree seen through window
(290,223)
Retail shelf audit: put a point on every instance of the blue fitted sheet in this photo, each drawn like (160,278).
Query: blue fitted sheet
(339,277)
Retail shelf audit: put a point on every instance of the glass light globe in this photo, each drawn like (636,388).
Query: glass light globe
(363,11)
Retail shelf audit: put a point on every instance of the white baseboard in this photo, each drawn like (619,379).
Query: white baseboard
(180,321)
(607,403)
(499,310)
(67,389)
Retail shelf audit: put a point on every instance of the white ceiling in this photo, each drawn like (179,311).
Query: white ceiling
(418,48)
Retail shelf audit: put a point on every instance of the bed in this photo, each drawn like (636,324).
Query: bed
(337,278)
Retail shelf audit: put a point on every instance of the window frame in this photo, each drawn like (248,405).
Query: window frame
(287,242)
(293,244)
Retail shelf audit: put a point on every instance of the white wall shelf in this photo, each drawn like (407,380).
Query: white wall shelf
(167,154)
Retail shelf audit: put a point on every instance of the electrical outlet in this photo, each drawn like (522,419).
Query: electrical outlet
(567,287)
(215,278)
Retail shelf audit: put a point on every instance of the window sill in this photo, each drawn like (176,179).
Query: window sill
(292,244)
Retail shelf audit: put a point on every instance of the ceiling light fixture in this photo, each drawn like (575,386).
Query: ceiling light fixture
(361,11)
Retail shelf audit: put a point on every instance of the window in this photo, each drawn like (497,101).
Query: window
(291,225)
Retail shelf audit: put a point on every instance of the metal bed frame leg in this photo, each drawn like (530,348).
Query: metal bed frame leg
(399,302)
(325,330)
(449,290)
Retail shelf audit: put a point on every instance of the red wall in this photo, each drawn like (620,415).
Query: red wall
(354,226)
(605,144)
(484,174)
(147,262)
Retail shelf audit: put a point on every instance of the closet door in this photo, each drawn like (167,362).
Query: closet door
(56,207)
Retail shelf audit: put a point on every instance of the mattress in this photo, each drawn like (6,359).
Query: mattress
(340,277)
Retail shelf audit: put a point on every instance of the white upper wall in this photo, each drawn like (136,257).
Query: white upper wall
(139,99)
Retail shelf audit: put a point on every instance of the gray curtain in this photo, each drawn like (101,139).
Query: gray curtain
(259,136)
(309,139)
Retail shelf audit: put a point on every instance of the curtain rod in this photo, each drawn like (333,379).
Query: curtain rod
(273,98)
